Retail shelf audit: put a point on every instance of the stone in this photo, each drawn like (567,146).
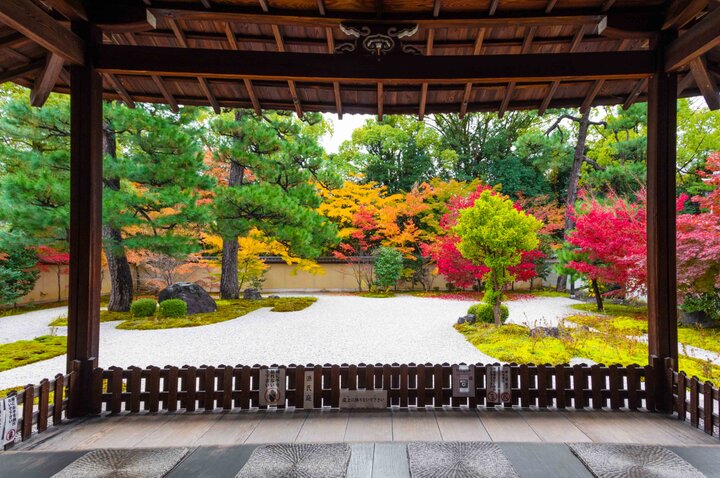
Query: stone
(697,319)
(466,319)
(545,332)
(251,293)
(198,301)
(273,297)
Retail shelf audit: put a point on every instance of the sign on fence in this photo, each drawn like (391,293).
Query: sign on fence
(363,398)
(8,419)
(463,381)
(272,386)
(499,388)
(308,390)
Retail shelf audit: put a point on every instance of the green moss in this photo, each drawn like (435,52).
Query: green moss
(708,339)
(547,293)
(23,309)
(25,352)
(377,295)
(105,316)
(227,310)
(513,343)
(621,325)
(614,310)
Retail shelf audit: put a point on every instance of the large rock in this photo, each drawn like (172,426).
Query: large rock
(251,293)
(198,301)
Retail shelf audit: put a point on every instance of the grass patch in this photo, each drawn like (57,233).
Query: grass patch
(105,316)
(23,352)
(227,310)
(614,310)
(621,324)
(513,343)
(547,293)
(23,309)
(708,339)
(377,295)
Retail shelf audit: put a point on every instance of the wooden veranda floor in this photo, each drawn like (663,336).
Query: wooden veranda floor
(220,443)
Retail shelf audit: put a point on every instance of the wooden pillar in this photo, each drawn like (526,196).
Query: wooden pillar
(86,118)
(661,164)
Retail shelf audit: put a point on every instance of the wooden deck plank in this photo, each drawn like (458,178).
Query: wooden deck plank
(415,425)
(369,426)
(681,432)
(231,429)
(461,425)
(507,426)
(390,461)
(278,427)
(324,427)
(128,432)
(186,429)
(552,426)
(19,464)
(605,426)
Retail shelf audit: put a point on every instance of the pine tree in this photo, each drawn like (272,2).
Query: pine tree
(272,167)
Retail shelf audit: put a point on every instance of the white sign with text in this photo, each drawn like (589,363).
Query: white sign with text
(8,419)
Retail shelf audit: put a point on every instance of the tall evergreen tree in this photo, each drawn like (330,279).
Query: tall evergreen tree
(272,167)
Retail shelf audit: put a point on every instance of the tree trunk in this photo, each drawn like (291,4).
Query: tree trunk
(121,287)
(560,284)
(598,297)
(574,179)
(229,287)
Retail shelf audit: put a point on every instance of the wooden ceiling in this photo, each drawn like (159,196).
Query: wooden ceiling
(495,55)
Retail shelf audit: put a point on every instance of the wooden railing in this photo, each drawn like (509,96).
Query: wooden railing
(694,401)
(44,405)
(190,388)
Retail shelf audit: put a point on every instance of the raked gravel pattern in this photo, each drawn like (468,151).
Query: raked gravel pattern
(336,329)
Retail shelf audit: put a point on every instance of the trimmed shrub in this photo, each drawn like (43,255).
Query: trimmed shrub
(388,267)
(484,313)
(173,308)
(143,308)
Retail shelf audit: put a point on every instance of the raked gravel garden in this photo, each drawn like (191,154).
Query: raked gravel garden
(347,328)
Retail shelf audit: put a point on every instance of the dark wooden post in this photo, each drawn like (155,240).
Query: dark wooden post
(661,164)
(86,118)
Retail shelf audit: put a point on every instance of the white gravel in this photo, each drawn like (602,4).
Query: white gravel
(30,325)
(336,329)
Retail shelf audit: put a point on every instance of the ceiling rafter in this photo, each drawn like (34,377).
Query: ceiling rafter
(380,101)
(46,79)
(70,9)
(702,37)
(493,7)
(281,48)
(169,98)
(577,39)
(705,82)
(204,86)
(120,89)
(524,49)
(232,40)
(598,84)
(331,50)
(428,51)
(635,93)
(468,86)
(681,12)
(22,70)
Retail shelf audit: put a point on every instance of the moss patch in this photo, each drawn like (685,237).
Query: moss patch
(227,310)
(24,309)
(105,316)
(614,310)
(620,324)
(512,343)
(23,352)
(708,339)
(377,295)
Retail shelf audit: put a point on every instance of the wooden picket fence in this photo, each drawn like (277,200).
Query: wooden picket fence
(44,405)
(694,401)
(208,388)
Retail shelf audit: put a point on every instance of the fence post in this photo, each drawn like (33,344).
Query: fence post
(664,374)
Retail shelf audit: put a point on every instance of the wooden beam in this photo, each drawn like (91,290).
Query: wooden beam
(685,82)
(86,188)
(607,5)
(9,75)
(695,42)
(46,79)
(681,12)
(707,84)
(120,89)
(32,21)
(205,87)
(635,93)
(169,98)
(577,39)
(424,87)
(411,69)
(437,4)
(468,86)
(281,48)
(12,40)
(335,18)
(331,50)
(506,100)
(661,211)
(550,5)
(592,93)
(380,101)
(493,7)
(70,9)
(232,39)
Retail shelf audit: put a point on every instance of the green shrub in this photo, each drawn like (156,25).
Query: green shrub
(143,308)
(173,308)
(388,267)
(484,313)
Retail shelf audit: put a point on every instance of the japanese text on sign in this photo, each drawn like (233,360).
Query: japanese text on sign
(8,419)
(498,384)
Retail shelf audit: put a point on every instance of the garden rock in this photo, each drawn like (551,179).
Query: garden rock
(198,301)
(273,297)
(545,332)
(252,293)
(466,319)
(696,319)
